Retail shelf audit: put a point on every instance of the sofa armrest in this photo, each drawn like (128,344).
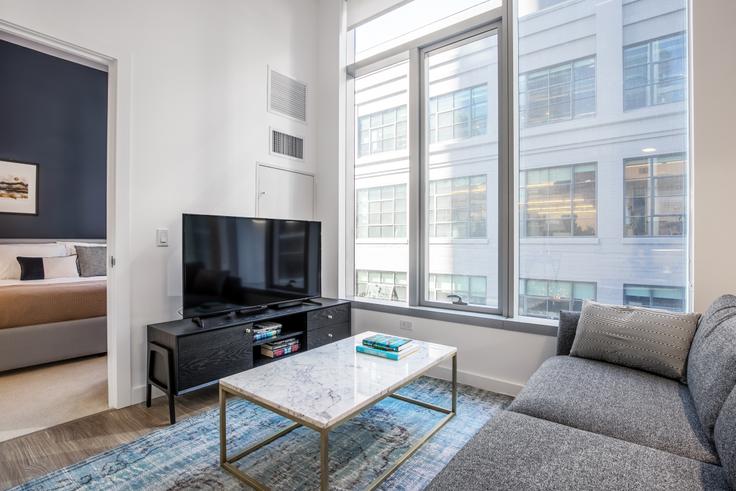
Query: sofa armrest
(566,331)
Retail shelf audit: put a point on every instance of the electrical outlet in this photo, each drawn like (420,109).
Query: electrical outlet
(405,325)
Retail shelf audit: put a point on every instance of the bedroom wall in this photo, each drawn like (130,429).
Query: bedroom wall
(54,113)
(195,73)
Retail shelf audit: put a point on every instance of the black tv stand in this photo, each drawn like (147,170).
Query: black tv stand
(188,354)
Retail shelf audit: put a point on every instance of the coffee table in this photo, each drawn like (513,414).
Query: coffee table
(323,387)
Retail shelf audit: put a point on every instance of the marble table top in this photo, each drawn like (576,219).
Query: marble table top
(324,385)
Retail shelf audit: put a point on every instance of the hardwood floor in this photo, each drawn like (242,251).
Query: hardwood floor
(33,455)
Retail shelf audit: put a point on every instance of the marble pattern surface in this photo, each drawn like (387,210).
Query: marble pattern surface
(324,385)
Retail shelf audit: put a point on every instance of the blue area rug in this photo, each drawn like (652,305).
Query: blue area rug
(185,456)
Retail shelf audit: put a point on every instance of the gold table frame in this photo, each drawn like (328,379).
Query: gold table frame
(228,462)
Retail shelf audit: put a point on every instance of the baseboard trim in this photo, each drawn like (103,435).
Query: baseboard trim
(477,380)
(464,377)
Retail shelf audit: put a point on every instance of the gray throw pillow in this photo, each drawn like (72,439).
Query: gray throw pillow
(655,341)
(92,261)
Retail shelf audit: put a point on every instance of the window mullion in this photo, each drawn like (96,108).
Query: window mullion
(416,229)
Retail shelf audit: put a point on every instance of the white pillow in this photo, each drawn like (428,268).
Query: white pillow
(9,266)
(71,248)
(60,267)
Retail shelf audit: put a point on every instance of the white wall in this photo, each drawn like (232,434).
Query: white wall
(714,104)
(196,74)
(492,359)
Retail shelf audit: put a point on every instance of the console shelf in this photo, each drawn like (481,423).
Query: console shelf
(184,356)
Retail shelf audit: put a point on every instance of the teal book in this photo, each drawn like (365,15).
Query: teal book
(388,343)
(383,353)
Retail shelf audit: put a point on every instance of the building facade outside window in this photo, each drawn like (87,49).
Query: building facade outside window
(457,207)
(655,72)
(471,289)
(557,93)
(383,131)
(458,115)
(546,298)
(658,297)
(382,285)
(655,196)
(558,201)
(381,212)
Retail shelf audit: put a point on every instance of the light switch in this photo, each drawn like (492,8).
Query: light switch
(162,237)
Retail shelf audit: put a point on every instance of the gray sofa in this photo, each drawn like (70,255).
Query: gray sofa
(585,424)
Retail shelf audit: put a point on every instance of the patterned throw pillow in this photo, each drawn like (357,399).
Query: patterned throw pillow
(655,341)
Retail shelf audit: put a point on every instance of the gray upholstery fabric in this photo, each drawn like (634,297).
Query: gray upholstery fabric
(619,402)
(725,437)
(92,261)
(652,340)
(514,452)
(566,331)
(712,362)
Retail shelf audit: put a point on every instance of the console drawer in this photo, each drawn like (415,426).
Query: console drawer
(328,334)
(338,314)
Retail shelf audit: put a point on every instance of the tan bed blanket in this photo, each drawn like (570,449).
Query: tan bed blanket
(26,305)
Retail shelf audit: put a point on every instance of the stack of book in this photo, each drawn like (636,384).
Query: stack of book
(280,348)
(266,330)
(391,347)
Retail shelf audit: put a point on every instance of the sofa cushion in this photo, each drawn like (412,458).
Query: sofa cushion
(712,361)
(651,340)
(725,437)
(515,451)
(566,331)
(619,402)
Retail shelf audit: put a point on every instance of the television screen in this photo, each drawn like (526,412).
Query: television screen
(234,263)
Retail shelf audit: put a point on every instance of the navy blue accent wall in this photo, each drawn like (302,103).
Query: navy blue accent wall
(54,113)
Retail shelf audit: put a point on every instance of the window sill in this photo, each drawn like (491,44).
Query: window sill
(381,241)
(527,325)
(653,240)
(440,240)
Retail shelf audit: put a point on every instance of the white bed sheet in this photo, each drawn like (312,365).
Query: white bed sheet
(51,281)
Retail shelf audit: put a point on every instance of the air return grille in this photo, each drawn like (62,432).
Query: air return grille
(288,96)
(289,145)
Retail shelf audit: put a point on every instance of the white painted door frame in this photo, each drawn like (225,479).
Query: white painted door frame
(119,370)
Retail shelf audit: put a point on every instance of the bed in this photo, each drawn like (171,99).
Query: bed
(43,321)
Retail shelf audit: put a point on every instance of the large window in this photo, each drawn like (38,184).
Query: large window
(458,115)
(382,285)
(546,298)
(655,196)
(519,176)
(557,93)
(658,297)
(382,131)
(457,207)
(655,72)
(470,289)
(558,201)
(381,212)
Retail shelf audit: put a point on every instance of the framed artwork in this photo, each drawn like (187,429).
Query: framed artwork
(18,187)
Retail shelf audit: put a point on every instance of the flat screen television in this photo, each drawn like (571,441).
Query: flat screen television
(238,263)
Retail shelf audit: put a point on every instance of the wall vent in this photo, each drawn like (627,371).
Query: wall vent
(287,96)
(288,145)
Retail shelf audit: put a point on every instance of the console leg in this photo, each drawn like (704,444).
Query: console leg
(148,395)
(172,411)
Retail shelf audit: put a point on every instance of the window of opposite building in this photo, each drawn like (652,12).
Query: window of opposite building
(381,212)
(471,289)
(660,297)
(382,131)
(457,207)
(381,285)
(655,196)
(546,298)
(558,201)
(557,93)
(458,115)
(655,72)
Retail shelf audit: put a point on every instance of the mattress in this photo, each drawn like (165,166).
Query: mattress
(27,303)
